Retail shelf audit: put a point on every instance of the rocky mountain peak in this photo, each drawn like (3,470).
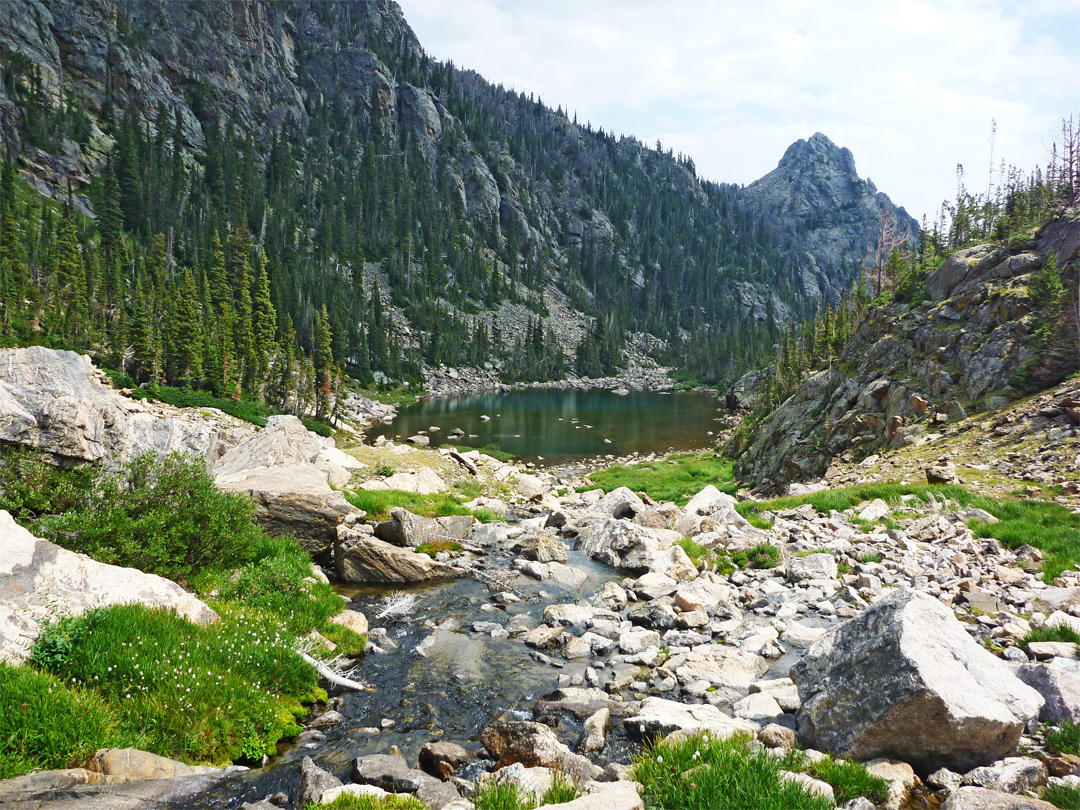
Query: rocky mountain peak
(819,151)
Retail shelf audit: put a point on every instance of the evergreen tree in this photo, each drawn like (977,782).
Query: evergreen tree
(187,342)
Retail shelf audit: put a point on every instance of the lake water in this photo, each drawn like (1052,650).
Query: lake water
(555,427)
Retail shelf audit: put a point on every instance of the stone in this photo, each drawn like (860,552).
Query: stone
(812,566)
(660,717)
(1047,650)
(905,680)
(977,798)
(389,772)
(709,500)
(638,640)
(40,580)
(352,619)
(944,779)
(534,744)
(531,783)
(604,796)
(622,544)
(408,530)
(424,481)
(594,732)
(544,637)
(899,775)
(654,584)
(612,597)
(619,503)
(442,758)
(1010,775)
(760,707)
(314,781)
(875,510)
(776,736)
(353,790)
(361,558)
(90,789)
(133,765)
(720,665)
(437,794)
(530,487)
(941,472)
(1060,690)
(542,547)
(811,785)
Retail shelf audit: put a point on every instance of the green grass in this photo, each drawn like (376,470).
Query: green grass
(317,426)
(677,478)
(200,694)
(1064,796)
(763,555)
(695,552)
(496,452)
(435,546)
(871,557)
(699,772)
(1061,632)
(848,779)
(46,725)
(378,503)
(347,801)
(1065,739)
(562,790)
(1048,526)
(506,796)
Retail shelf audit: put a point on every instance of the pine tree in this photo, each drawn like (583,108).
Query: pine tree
(264,332)
(323,360)
(187,338)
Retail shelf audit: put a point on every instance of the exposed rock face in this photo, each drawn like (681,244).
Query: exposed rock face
(905,680)
(908,368)
(135,765)
(58,402)
(39,579)
(361,558)
(819,206)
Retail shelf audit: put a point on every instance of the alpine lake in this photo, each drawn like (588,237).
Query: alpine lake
(552,427)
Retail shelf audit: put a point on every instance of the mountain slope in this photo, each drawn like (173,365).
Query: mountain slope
(324,131)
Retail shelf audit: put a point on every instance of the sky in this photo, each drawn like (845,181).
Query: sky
(911,87)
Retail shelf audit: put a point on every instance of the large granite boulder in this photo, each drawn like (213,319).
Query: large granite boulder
(622,544)
(359,557)
(290,473)
(533,745)
(58,402)
(660,717)
(39,580)
(905,680)
(409,531)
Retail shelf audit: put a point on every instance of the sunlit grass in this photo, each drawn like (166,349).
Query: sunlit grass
(677,478)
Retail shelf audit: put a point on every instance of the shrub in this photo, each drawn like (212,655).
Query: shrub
(870,557)
(318,426)
(562,790)
(763,555)
(45,724)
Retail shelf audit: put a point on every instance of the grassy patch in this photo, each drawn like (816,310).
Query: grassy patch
(694,551)
(201,694)
(433,547)
(763,555)
(849,780)
(496,452)
(1065,739)
(677,478)
(871,557)
(1051,527)
(506,796)
(44,724)
(317,426)
(347,801)
(1066,797)
(378,503)
(562,790)
(1061,632)
(719,774)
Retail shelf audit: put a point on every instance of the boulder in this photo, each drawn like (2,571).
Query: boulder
(409,531)
(941,472)
(604,796)
(619,503)
(977,798)
(594,732)
(875,510)
(361,558)
(709,500)
(133,765)
(530,487)
(660,717)
(58,402)
(424,481)
(534,744)
(314,781)
(40,580)
(812,566)
(441,758)
(97,791)
(542,547)
(389,772)
(1010,775)
(622,544)
(1059,688)
(905,680)
(721,666)
(353,620)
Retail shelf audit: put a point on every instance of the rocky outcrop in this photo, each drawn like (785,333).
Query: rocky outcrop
(905,680)
(815,202)
(409,531)
(40,580)
(361,558)
(911,370)
(58,402)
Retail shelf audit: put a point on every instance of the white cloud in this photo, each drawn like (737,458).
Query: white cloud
(909,86)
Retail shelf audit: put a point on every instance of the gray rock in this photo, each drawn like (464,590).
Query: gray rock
(941,472)
(1011,775)
(619,503)
(977,798)
(542,547)
(390,772)
(906,680)
(812,566)
(595,731)
(944,779)
(40,580)
(660,717)
(442,758)
(408,530)
(1059,688)
(534,745)
(622,544)
(313,782)
(360,558)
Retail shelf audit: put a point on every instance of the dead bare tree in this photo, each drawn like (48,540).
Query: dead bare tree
(889,238)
